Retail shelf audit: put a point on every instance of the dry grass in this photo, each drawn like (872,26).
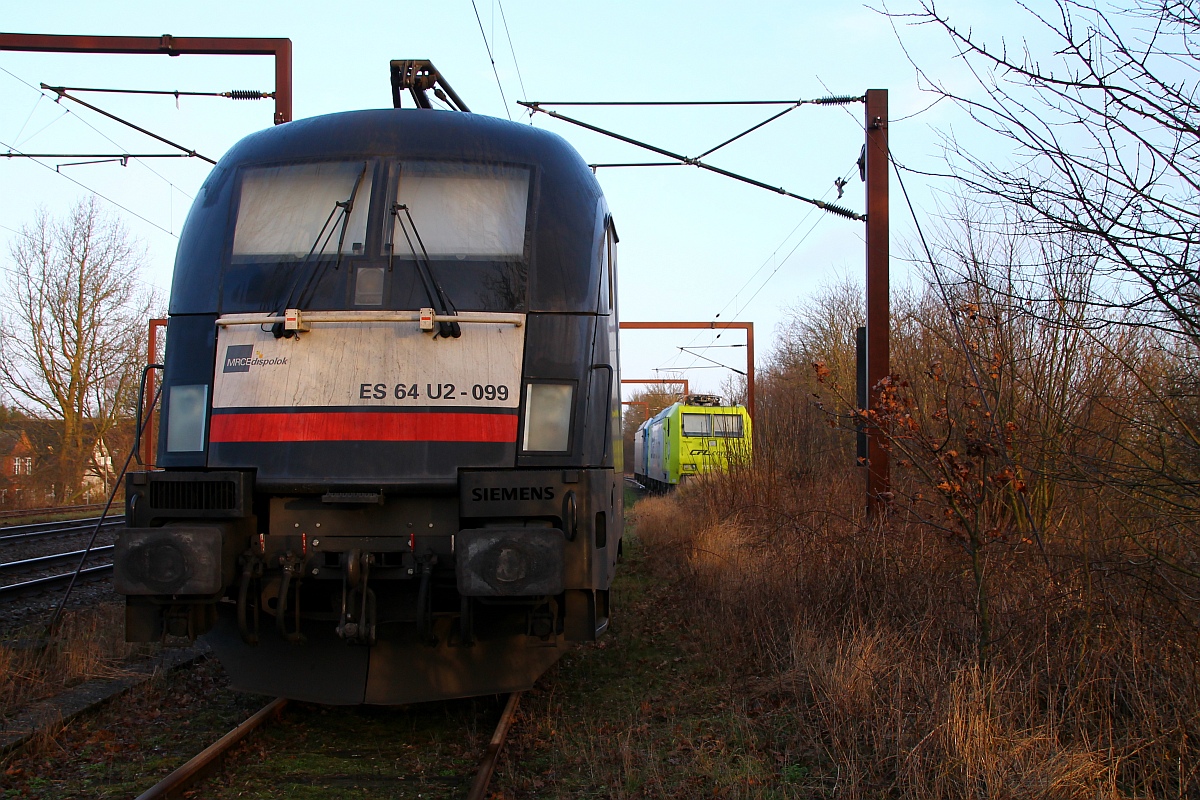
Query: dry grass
(90,643)
(864,638)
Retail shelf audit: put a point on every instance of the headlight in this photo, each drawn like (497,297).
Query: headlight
(186,411)
(548,417)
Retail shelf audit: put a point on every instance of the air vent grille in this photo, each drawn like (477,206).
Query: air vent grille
(198,495)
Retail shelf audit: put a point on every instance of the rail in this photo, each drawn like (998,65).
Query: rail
(487,765)
(20,537)
(38,584)
(42,561)
(186,777)
(37,530)
(190,773)
(38,512)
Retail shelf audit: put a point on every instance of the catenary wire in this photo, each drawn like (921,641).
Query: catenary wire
(190,151)
(832,208)
(237,94)
(511,49)
(84,186)
(830,100)
(103,135)
(495,72)
(733,300)
(63,113)
(711,360)
(28,117)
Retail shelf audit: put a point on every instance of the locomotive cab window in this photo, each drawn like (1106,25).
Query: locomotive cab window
(288,212)
(454,210)
(696,424)
(727,425)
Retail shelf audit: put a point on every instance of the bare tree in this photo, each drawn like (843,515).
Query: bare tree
(1103,192)
(1105,127)
(73,318)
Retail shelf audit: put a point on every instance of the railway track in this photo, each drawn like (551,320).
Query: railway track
(44,555)
(40,512)
(47,530)
(189,775)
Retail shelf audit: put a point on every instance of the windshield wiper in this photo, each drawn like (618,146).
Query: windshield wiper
(339,216)
(433,290)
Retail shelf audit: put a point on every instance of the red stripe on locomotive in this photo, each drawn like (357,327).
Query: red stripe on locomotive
(335,426)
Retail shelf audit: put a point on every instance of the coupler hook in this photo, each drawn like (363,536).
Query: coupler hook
(292,569)
(250,586)
(358,628)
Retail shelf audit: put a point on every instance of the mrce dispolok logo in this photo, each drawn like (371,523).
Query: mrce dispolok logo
(241,357)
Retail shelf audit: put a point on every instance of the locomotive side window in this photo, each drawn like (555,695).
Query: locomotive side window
(606,259)
(548,417)
(696,424)
(187,407)
(462,211)
(727,425)
(611,266)
(287,212)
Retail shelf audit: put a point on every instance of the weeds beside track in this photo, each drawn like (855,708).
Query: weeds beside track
(858,644)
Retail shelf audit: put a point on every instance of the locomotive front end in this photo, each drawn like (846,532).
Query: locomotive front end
(387,469)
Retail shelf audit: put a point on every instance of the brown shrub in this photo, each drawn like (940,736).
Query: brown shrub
(89,643)
(866,636)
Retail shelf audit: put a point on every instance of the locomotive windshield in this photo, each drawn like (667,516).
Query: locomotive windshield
(450,235)
(288,212)
(725,425)
(464,211)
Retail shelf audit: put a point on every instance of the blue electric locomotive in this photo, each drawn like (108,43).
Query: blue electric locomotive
(390,449)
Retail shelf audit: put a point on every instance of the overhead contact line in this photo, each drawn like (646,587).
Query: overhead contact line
(832,208)
(62,92)
(833,100)
(233,94)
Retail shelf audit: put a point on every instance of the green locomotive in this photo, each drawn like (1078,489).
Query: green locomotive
(690,438)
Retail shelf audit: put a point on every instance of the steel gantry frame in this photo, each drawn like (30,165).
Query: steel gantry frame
(748,327)
(653,381)
(169,45)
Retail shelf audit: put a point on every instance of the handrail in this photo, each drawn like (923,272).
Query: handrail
(317,317)
(137,426)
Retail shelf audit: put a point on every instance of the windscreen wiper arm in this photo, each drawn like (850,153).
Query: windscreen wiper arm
(342,209)
(437,296)
(339,216)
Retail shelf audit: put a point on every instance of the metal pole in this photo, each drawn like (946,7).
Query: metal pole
(750,370)
(878,307)
(149,441)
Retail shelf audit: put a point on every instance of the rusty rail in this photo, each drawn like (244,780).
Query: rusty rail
(178,781)
(487,764)
(38,512)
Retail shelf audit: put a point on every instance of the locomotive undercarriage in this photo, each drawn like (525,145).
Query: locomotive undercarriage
(335,597)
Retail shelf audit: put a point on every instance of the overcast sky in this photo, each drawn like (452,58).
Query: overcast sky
(693,244)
